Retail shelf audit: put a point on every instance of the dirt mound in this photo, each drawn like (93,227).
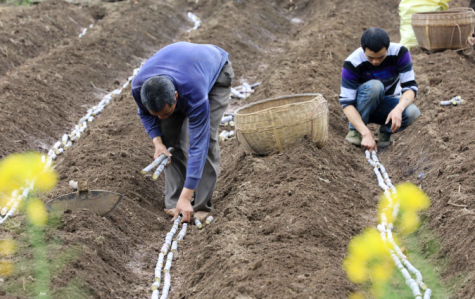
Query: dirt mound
(58,87)
(26,32)
(438,154)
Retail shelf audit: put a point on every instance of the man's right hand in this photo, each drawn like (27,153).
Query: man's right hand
(368,142)
(160,149)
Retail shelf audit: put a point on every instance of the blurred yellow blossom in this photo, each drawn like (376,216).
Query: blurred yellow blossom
(17,169)
(356,296)
(6,268)
(411,200)
(7,247)
(368,255)
(36,212)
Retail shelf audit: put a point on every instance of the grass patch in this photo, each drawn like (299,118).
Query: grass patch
(422,247)
(55,258)
(422,250)
(74,290)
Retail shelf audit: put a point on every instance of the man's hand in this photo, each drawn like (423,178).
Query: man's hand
(395,116)
(160,149)
(183,206)
(368,142)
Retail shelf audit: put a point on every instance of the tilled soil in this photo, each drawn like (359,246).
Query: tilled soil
(283,222)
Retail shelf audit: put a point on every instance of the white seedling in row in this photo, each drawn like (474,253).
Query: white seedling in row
(155,294)
(226,119)
(174,246)
(68,145)
(182,233)
(198,224)
(165,248)
(9,204)
(52,154)
(168,265)
(209,220)
(90,119)
(225,135)
(56,147)
(65,138)
(155,286)
(49,163)
(166,286)
(454,101)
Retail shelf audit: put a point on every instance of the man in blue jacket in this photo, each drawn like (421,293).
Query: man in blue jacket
(182,93)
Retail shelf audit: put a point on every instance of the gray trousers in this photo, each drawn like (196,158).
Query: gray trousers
(175,134)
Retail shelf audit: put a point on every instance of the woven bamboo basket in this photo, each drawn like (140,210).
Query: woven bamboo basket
(442,30)
(276,124)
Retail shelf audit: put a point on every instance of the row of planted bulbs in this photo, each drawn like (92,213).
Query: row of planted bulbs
(66,142)
(169,248)
(386,228)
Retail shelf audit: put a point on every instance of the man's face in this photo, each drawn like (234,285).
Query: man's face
(376,58)
(167,111)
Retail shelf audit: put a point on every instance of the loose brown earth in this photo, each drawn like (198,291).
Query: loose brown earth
(283,222)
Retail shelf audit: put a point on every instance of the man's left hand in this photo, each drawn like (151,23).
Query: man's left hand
(395,116)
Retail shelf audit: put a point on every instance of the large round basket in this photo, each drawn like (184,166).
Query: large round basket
(441,30)
(276,124)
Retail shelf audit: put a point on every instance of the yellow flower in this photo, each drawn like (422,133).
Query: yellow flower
(356,296)
(409,222)
(382,271)
(411,198)
(355,269)
(368,255)
(36,212)
(7,247)
(16,169)
(6,268)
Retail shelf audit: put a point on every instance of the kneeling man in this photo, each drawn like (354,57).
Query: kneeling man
(182,93)
(378,86)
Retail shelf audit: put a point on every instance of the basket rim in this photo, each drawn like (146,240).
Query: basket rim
(457,10)
(314,95)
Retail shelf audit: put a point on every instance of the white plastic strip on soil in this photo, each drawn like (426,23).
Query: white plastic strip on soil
(385,229)
(85,30)
(244,90)
(66,142)
(195,20)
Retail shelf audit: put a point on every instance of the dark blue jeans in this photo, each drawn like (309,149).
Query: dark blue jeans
(374,107)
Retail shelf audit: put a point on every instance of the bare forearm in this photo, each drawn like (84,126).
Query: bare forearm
(157,141)
(406,99)
(187,193)
(355,119)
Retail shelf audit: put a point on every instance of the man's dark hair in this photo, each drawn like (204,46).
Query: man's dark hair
(157,92)
(375,39)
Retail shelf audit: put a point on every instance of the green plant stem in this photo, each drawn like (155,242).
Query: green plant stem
(40,258)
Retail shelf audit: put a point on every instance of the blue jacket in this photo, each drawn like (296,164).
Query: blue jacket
(193,69)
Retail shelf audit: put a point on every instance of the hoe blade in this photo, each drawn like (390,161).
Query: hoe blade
(100,202)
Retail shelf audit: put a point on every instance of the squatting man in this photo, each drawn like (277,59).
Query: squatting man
(182,93)
(378,86)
